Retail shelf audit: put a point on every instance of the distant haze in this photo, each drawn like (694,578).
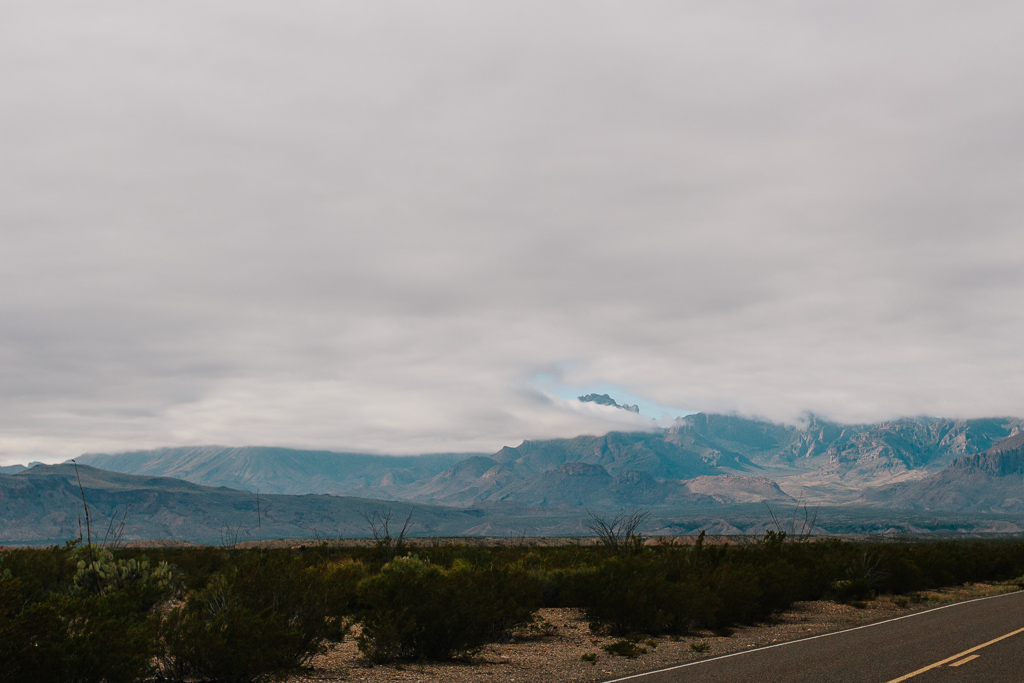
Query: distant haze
(419,227)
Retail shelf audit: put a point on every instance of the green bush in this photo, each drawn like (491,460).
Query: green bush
(414,609)
(79,614)
(260,619)
(637,593)
(904,576)
(739,595)
(41,571)
(65,638)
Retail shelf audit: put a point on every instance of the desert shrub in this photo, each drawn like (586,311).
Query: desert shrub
(619,534)
(415,609)
(77,614)
(904,576)
(1003,567)
(263,617)
(634,593)
(937,564)
(194,567)
(860,579)
(65,619)
(782,582)
(343,580)
(739,595)
(553,588)
(40,570)
(67,638)
(624,595)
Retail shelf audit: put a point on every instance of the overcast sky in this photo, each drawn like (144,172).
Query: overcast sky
(426,226)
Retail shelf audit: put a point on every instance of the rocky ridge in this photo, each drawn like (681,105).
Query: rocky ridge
(702,459)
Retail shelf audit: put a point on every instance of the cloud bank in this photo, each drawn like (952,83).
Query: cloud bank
(370,226)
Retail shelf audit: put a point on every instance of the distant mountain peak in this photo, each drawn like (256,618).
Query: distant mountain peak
(606,400)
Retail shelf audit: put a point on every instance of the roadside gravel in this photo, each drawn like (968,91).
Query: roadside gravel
(553,653)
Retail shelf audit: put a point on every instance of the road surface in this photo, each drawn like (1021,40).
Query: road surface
(978,640)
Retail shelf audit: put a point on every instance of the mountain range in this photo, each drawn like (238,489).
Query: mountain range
(701,459)
(719,472)
(44,505)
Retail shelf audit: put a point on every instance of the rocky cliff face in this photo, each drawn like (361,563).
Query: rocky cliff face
(991,481)
(852,455)
(1004,459)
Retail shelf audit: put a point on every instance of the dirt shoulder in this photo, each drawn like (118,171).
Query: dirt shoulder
(552,649)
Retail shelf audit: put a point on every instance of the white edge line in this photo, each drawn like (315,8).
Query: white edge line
(804,640)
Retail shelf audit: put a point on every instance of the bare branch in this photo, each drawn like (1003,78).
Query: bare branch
(778,527)
(259,517)
(619,534)
(88,524)
(117,531)
(379,523)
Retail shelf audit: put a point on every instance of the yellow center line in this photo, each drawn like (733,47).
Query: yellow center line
(955,657)
(965,660)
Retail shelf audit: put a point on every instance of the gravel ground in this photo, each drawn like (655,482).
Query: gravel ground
(556,655)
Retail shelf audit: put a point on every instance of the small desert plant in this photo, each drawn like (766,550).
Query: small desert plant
(537,629)
(625,648)
(700,646)
(851,590)
(589,657)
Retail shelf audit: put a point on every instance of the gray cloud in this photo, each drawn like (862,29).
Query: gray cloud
(372,226)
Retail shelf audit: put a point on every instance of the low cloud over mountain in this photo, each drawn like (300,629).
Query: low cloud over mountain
(701,459)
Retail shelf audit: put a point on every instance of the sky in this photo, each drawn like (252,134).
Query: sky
(408,227)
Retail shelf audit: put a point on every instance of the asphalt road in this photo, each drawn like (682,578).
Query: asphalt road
(978,640)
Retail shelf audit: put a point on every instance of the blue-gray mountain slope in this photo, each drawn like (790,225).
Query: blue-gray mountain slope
(703,459)
(276,470)
(43,504)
